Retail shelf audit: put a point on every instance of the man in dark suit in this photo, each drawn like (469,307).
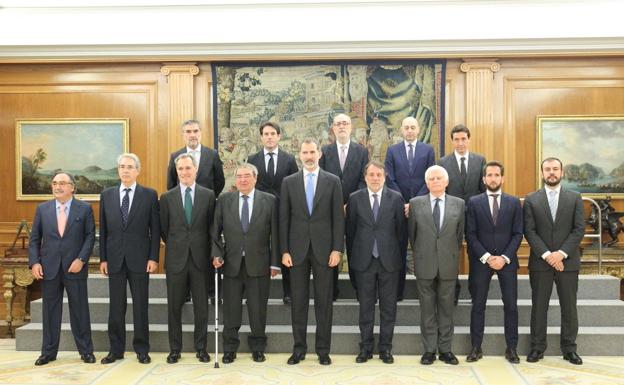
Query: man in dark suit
(375,224)
(61,242)
(311,239)
(247,218)
(345,159)
(209,175)
(274,164)
(186,215)
(465,171)
(554,227)
(436,231)
(405,165)
(129,248)
(493,233)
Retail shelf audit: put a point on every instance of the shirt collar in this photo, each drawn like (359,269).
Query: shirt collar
(458,156)
(249,196)
(557,189)
(266,152)
(132,187)
(408,143)
(306,172)
(346,144)
(67,204)
(499,192)
(433,198)
(198,149)
(370,192)
(183,187)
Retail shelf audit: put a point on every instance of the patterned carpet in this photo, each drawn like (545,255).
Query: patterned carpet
(18,368)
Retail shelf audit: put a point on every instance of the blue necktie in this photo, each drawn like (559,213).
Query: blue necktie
(245,214)
(310,192)
(375,216)
(410,156)
(125,207)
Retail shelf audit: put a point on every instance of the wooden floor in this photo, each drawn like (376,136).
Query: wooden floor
(18,368)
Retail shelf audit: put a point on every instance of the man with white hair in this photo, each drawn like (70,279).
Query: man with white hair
(436,231)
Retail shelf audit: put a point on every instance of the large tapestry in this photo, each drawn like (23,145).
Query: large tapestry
(303,99)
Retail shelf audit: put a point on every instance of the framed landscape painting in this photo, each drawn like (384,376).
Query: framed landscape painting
(591,149)
(86,148)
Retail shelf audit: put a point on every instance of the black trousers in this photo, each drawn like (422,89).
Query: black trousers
(323,292)
(373,283)
(52,312)
(541,289)
(177,283)
(479,285)
(139,289)
(257,292)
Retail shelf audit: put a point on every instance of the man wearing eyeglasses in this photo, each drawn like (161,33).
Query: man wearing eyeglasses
(129,247)
(61,242)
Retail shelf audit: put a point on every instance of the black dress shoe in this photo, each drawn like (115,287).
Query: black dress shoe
(287,300)
(88,358)
(427,358)
(228,357)
(173,357)
(512,356)
(202,356)
(475,355)
(44,359)
(143,358)
(573,358)
(386,357)
(295,358)
(363,356)
(258,356)
(535,355)
(449,358)
(324,359)
(111,357)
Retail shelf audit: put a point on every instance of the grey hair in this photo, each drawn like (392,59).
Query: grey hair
(436,168)
(185,155)
(190,122)
(310,140)
(249,166)
(129,155)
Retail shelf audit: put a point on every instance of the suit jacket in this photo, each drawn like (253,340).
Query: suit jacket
(352,177)
(436,253)
(56,253)
(324,229)
(286,165)
(474,176)
(139,240)
(260,244)
(362,230)
(484,237)
(566,233)
(182,239)
(209,174)
(409,183)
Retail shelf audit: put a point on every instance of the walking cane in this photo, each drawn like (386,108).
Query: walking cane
(216,365)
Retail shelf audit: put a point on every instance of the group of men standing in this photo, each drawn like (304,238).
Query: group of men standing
(296,221)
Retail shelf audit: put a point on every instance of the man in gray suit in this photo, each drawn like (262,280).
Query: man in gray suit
(311,239)
(247,218)
(465,171)
(554,227)
(436,231)
(186,214)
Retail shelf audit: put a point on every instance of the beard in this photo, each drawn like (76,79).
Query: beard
(493,187)
(551,183)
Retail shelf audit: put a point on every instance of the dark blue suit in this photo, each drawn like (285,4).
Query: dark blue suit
(501,239)
(56,254)
(409,182)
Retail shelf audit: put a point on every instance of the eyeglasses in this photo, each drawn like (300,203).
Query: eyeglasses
(126,167)
(61,184)
(244,176)
(345,123)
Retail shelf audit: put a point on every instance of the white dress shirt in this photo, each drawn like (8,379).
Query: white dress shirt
(267,158)
(183,192)
(432,200)
(122,193)
(458,159)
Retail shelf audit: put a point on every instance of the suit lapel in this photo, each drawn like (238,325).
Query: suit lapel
(484,203)
(543,200)
(425,205)
(334,158)
(178,206)
(300,190)
(448,206)
(203,162)
(137,201)
(403,155)
(73,214)
(49,211)
(280,169)
(199,200)
(256,209)
(318,190)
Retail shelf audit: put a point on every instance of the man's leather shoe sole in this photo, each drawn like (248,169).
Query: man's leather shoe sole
(228,357)
(324,359)
(258,356)
(173,357)
(295,358)
(535,355)
(43,360)
(427,358)
(110,358)
(573,358)
(88,358)
(363,357)
(143,358)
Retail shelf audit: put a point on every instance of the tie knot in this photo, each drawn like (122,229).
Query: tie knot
(437,200)
(62,205)
(245,197)
(343,147)
(271,154)
(494,195)
(375,196)
(188,190)
(410,146)
(127,190)
(311,175)
(463,158)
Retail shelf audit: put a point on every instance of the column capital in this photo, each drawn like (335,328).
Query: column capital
(480,64)
(179,68)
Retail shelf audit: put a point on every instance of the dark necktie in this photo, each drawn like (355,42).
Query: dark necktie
(436,214)
(188,206)
(375,216)
(462,168)
(271,167)
(495,208)
(245,214)
(410,156)
(125,207)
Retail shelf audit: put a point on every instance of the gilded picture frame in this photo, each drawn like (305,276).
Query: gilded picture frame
(86,148)
(590,147)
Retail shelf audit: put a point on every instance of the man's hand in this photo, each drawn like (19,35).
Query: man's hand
(76,266)
(152,266)
(555,259)
(104,268)
(496,262)
(217,262)
(406,209)
(334,258)
(287,260)
(37,271)
(558,266)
